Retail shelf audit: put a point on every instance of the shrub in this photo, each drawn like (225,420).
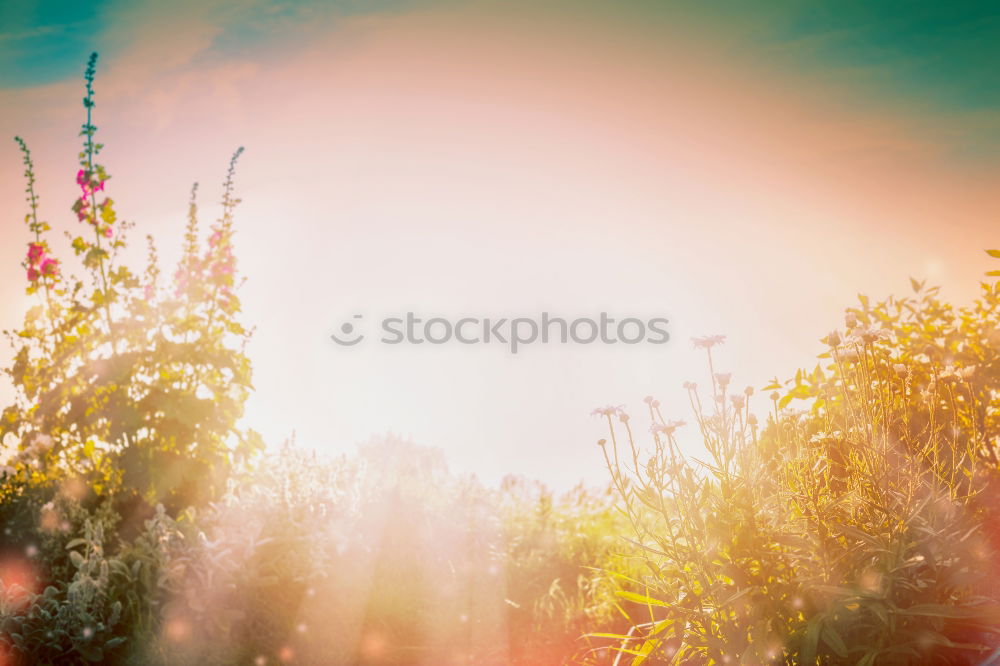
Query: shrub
(130,385)
(128,392)
(860,531)
(558,552)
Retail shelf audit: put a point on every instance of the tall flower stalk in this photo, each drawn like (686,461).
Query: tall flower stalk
(134,388)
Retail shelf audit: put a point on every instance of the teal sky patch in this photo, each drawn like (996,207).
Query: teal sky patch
(45,41)
(936,54)
(944,52)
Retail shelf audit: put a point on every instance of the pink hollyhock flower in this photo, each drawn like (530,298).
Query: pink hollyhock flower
(107,232)
(32,274)
(214,239)
(148,292)
(36,251)
(50,267)
(81,177)
(220,269)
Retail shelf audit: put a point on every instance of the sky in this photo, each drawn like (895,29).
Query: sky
(739,168)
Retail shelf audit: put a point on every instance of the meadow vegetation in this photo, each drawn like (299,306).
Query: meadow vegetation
(855,519)
(861,530)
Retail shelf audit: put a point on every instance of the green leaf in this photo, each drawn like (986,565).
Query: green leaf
(869,658)
(642,599)
(986,613)
(811,641)
(833,639)
(90,652)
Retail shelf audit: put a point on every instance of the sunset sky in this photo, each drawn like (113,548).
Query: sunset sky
(739,168)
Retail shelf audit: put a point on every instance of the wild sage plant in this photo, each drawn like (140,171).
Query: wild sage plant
(860,531)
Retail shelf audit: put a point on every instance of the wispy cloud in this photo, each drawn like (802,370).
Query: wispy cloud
(45,42)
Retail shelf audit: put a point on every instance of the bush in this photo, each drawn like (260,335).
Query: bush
(131,386)
(860,531)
